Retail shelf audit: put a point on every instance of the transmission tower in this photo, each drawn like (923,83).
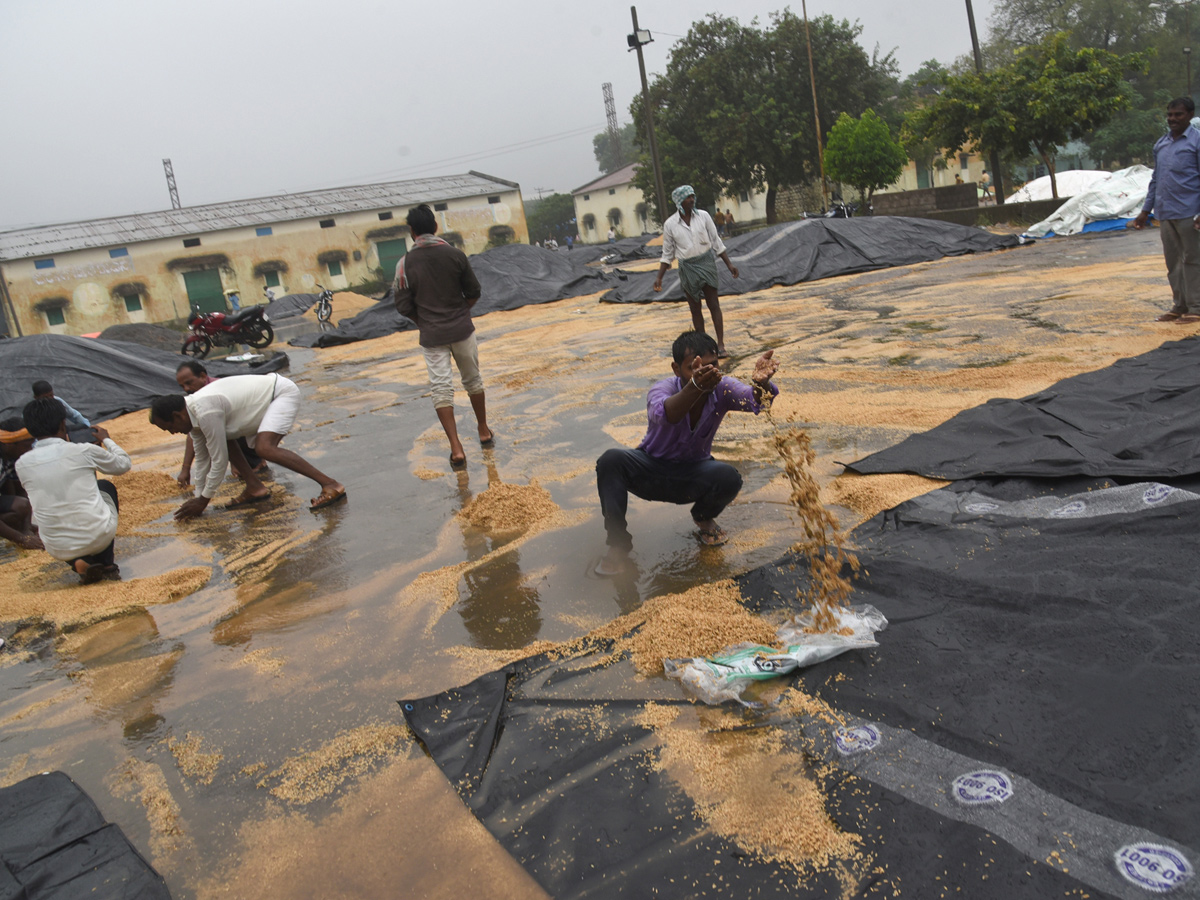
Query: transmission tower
(171,184)
(610,108)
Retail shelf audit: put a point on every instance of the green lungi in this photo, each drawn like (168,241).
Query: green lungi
(697,272)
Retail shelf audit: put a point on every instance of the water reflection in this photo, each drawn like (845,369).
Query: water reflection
(498,608)
(127,668)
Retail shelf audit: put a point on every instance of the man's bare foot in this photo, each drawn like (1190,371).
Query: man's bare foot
(614,562)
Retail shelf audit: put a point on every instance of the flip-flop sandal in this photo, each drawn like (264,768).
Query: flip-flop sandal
(1168,317)
(243,500)
(93,574)
(722,354)
(491,441)
(713,538)
(1187,320)
(457,464)
(327,499)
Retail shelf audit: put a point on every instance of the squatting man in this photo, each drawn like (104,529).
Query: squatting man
(673,463)
(224,410)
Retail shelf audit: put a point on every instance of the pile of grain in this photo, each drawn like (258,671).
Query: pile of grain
(144,497)
(192,760)
(310,776)
(753,789)
(509,507)
(146,781)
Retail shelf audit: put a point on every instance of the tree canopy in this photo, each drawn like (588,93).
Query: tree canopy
(615,154)
(553,214)
(862,153)
(733,111)
(1046,96)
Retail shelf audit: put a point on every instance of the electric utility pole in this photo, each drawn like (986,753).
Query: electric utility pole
(635,41)
(997,182)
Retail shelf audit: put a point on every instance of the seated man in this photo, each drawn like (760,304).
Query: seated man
(674,461)
(191,376)
(75,513)
(16,515)
(75,419)
(239,406)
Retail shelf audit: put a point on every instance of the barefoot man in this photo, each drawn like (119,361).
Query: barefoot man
(691,237)
(217,415)
(674,463)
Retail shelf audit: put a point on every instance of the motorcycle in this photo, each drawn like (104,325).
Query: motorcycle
(217,329)
(324,305)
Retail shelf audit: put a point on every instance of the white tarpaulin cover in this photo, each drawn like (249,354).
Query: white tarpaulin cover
(1070,184)
(1118,195)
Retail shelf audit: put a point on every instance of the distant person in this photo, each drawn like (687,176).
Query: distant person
(719,221)
(673,463)
(612,235)
(985,184)
(43,389)
(570,242)
(16,514)
(729,221)
(191,376)
(1174,198)
(436,288)
(958,178)
(226,409)
(76,513)
(691,237)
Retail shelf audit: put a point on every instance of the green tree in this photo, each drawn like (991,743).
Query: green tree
(1131,134)
(1048,95)
(553,214)
(733,111)
(862,153)
(615,154)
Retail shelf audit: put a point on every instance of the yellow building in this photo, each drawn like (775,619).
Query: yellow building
(611,201)
(153,267)
(967,166)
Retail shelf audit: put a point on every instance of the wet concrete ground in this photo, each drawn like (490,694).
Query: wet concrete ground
(312,627)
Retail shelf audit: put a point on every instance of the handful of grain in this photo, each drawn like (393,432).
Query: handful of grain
(509,507)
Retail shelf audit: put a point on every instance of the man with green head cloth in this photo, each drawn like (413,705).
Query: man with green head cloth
(691,237)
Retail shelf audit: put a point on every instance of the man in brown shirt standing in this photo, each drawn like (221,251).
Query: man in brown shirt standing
(436,288)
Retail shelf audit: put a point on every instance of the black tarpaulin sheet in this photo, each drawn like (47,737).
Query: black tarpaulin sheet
(373,322)
(624,250)
(290,305)
(1045,632)
(1139,417)
(519,275)
(101,379)
(821,248)
(55,845)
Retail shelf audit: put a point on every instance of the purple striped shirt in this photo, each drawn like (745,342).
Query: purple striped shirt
(679,441)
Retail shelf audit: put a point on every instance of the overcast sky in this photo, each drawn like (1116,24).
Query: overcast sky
(257,97)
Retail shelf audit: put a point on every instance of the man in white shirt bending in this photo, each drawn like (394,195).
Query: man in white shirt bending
(691,237)
(262,406)
(76,513)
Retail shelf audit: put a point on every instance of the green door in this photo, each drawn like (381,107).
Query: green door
(389,254)
(204,290)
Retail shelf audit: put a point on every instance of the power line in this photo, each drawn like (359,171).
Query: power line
(502,150)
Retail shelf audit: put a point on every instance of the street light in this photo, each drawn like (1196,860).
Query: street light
(636,40)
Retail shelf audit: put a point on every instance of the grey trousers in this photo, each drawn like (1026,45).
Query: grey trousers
(1181,248)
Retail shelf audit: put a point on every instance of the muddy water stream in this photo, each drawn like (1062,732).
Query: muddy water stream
(246,735)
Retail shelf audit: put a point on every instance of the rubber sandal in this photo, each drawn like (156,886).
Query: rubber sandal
(93,574)
(713,538)
(1168,317)
(722,354)
(491,441)
(1189,319)
(327,499)
(242,500)
(457,464)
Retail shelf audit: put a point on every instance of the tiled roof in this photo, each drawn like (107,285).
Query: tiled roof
(622,176)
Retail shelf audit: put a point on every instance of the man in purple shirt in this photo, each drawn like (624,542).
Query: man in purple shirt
(673,463)
(1174,196)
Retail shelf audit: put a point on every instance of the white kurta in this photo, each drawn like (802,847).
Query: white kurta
(687,240)
(225,410)
(74,518)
